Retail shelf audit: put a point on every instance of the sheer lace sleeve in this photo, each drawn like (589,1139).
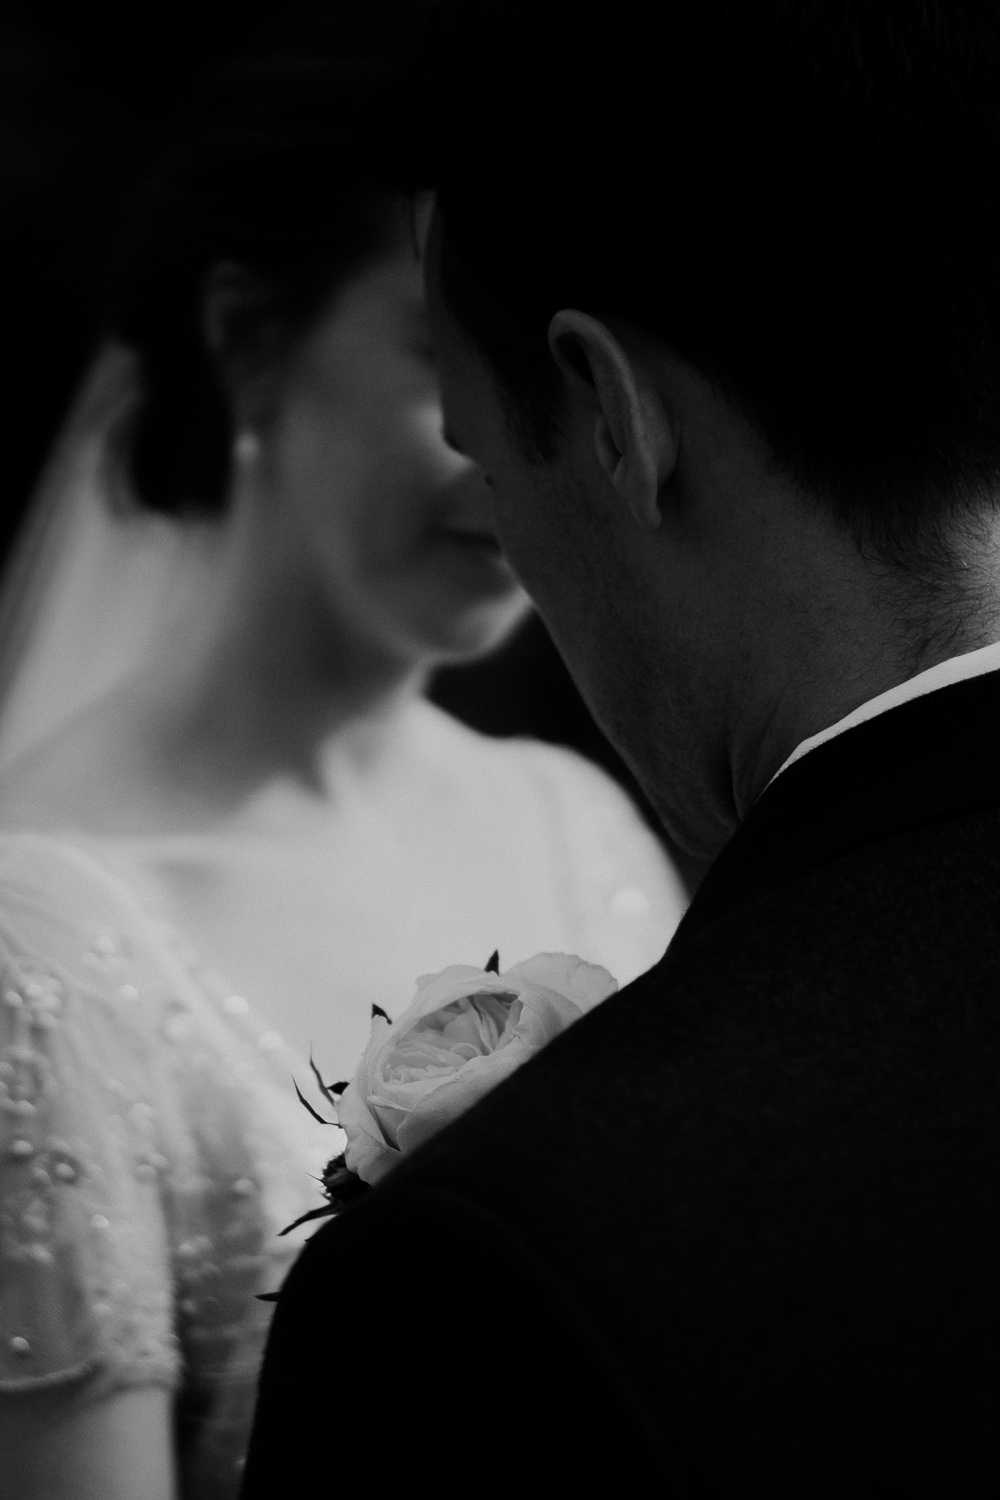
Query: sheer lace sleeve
(85,1287)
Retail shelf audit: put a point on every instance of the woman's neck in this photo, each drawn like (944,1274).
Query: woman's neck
(251,687)
(251,681)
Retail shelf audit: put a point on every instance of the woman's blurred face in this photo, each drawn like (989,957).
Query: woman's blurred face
(387,524)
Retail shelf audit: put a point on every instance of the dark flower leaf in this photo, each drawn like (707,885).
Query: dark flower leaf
(305,1101)
(350,1190)
(337,1182)
(493,962)
(314,1213)
(341,1186)
(326,1089)
(378,1011)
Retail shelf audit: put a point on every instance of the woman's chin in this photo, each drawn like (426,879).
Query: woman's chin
(452,635)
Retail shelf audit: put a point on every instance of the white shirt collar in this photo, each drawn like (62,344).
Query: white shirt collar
(955,669)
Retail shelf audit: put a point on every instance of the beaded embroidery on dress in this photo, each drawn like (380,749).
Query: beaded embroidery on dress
(151,1152)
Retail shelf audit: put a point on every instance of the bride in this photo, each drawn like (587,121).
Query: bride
(262,827)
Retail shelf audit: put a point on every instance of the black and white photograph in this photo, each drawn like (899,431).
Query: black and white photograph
(499,786)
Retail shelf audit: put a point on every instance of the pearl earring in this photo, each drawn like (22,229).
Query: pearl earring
(246,447)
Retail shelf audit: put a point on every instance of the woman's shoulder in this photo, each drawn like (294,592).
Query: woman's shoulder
(79,1030)
(146,1116)
(48,872)
(71,923)
(88,963)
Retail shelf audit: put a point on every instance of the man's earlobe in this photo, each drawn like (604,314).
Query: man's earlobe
(633,438)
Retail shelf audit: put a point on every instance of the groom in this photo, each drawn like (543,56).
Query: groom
(716,293)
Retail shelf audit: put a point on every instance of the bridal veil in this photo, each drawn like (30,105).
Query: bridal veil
(90,578)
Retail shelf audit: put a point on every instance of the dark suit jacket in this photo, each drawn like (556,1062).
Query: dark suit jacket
(738,1231)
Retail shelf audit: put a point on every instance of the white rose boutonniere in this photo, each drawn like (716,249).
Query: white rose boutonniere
(466,1030)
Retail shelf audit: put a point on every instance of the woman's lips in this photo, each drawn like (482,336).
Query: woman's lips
(475,550)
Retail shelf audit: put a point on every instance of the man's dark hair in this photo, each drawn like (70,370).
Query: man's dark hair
(801,197)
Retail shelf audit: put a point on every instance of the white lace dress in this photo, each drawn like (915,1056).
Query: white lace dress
(151,1152)
(151,1144)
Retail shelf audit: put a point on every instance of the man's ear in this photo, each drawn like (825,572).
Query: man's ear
(634,439)
(239,329)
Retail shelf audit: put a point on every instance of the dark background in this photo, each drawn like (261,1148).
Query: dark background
(87,95)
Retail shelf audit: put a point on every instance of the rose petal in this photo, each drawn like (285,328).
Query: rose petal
(585,984)
(367,1147)
(455,1097)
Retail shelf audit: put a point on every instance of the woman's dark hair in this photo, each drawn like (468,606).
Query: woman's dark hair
(265,171)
